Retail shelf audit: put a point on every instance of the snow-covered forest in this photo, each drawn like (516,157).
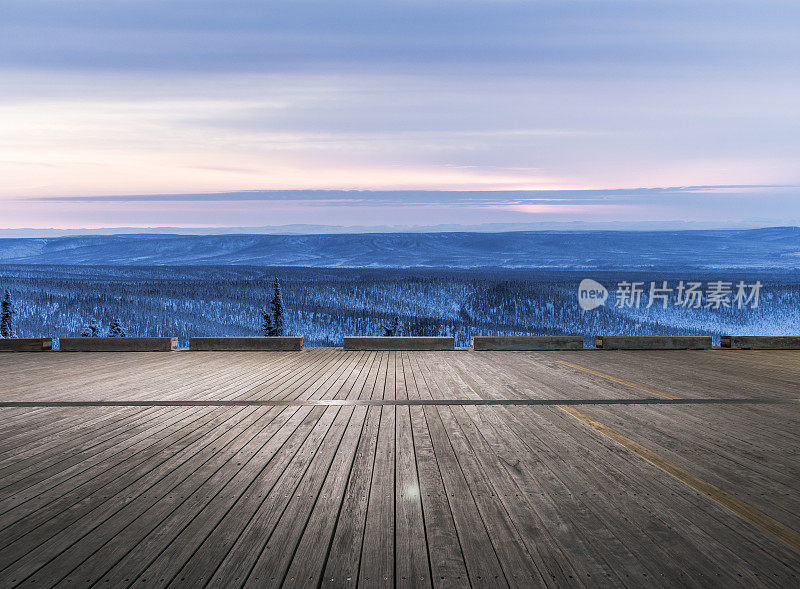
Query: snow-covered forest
(323,305)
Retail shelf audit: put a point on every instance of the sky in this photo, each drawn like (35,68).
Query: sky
(244,113)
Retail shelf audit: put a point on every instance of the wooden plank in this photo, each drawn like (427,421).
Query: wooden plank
(545,530)
(445,556)
(71,435)
(411,547)
(196,375)
(120,376)
(85,370)
(377,551)
(322,384)
(617,548)
(38,438)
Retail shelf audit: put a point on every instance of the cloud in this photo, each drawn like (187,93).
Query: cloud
(510,198)
(359,36)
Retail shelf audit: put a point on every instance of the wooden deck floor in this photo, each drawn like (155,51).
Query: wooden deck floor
(452,469)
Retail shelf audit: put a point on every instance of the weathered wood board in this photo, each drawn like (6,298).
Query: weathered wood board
(246,344)
(118,344)
(359,343)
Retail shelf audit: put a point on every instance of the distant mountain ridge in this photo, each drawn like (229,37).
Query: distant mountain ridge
(777,247)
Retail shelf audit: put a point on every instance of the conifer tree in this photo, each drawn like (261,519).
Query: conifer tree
(116,329)
(277,310)
(91,330)
(266,323)
(7,316)
(393,328)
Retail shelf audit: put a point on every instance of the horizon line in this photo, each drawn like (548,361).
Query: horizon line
(310,230)
(272,192)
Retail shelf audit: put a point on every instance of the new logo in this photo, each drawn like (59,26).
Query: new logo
(591,294)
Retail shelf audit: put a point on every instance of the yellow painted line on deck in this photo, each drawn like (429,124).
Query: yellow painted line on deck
(627,383)
(748,513)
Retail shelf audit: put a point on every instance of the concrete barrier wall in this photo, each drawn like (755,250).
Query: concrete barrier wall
(399,343)
(246,344)
(528,342)
(761,342)
(654,342)
(118,344)
(25,344)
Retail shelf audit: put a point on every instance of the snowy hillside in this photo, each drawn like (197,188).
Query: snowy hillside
(777,248)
